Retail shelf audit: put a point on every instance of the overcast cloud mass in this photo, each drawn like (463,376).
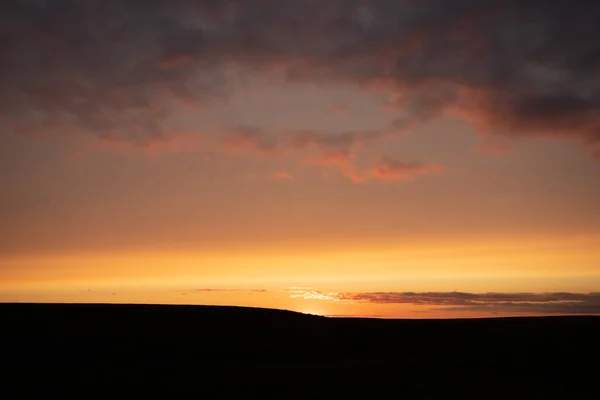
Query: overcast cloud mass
(125,71)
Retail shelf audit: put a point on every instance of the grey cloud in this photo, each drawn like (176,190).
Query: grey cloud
(558,302)
(118,69)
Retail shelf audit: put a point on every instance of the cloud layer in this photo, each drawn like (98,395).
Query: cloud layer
(126,71)
(546,303)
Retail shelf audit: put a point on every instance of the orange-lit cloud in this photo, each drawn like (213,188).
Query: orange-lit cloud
(282,175)
(324,149)
(390,169)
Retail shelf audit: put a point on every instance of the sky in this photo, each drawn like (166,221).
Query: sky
(377,158)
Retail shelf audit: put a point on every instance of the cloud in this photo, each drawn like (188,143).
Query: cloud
(249,140)
(390,169)
(341,107)
(326,150)
(548,303)
(282,175)
(126,71)
(310,294)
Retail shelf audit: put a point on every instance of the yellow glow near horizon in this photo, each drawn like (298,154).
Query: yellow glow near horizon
(410,261)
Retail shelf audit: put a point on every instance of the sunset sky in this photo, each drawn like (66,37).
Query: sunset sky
(413,159)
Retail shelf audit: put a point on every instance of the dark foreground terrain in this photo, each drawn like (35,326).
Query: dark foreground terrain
(135,351)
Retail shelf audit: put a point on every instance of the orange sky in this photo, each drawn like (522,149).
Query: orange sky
(297,173)
(132,227)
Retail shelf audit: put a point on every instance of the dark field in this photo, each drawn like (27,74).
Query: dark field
(116,351)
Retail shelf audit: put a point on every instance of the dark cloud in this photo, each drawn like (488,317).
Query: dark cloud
(462,298)
(548,303)
(119,70)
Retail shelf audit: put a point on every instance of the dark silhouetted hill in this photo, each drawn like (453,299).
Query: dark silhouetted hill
(237,352)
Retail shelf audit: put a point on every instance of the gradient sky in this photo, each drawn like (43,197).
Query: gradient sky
(349,157)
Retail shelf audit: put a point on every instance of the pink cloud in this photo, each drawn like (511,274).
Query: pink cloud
(282,175)
(338,108)
(388,169)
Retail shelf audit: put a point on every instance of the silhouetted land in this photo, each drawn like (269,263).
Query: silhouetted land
(115,351)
